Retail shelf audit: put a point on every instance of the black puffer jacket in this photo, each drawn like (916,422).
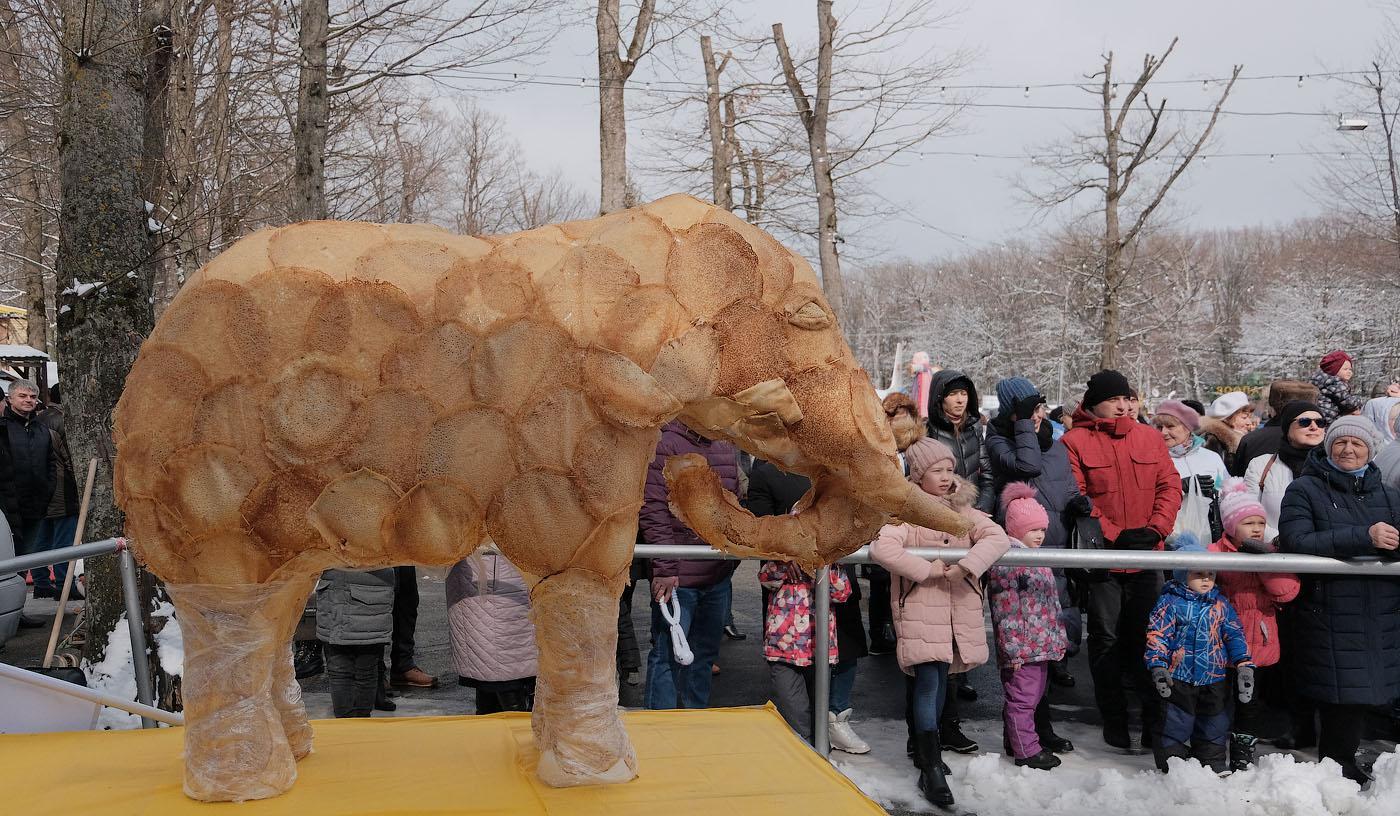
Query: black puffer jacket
(1347,629)
(969,454)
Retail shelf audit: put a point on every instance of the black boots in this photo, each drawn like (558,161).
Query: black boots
(307,659)
(933,779)
(953,739)
(1242,751)
(1042,761)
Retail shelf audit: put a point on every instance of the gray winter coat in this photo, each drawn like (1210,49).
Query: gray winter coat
(354,607)
(488,616)
(969,454)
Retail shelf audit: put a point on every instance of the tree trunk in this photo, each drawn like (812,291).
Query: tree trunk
(102,239)
(225,228)
(721,190)
(1110,332)
(313,112)
(614,69)
(814,114)
(15,129)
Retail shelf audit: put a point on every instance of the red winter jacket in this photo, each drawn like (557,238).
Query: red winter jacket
(1125,470)
(1257,597)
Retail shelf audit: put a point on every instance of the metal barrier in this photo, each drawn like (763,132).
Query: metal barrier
(131,598)
(1081,559)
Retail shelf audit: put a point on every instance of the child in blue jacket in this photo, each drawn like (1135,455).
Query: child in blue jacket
(1192,637)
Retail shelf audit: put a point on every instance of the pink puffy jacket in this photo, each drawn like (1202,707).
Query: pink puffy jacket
(935,619)
(488,618)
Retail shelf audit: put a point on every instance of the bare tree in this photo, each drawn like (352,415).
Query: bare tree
(1116,165)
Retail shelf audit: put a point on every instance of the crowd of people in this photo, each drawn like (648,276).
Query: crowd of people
(1184,665)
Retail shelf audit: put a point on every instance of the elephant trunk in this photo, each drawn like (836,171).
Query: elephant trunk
(831,521)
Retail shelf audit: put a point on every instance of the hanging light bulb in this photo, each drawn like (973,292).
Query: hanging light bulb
(1114,93)
(1027,93)
(1271,158)
(942,89)
(1300,80)
(582,82)
(1205,85)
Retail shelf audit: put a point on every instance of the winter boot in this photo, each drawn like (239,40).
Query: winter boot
(933,778)
(963,688)
(1042,761)
(953,739)
(1115,735)
(1242,751)
(843,737)
(1059,674)
(1049,740)
(307,659)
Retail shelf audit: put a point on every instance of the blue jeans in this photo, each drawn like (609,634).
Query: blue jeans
(930,689)
(702,620)
(843,680)
(42,535)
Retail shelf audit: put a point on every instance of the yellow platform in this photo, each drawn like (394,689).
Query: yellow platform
(716,762)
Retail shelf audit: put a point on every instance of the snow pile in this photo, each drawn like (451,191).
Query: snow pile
(170,641)
(115,675)
(1091,781)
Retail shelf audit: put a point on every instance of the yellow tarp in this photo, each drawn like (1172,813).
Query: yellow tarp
(716,762)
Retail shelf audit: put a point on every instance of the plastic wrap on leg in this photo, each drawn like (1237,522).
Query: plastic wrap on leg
(577,728)
(286,696)
(236,745)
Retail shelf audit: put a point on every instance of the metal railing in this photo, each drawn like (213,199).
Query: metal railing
(1371,567)
(131,598)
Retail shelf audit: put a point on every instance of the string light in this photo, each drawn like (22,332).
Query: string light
(1300,80)
(1027,94)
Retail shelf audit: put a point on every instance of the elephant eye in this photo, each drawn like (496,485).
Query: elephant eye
(810,315)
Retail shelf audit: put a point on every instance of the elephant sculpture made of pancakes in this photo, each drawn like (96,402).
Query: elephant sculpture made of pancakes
(335,394)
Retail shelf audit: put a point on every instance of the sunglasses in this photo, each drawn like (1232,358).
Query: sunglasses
(1308,422)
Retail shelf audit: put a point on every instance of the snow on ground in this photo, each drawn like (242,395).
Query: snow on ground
(1095,778)
(170,641)
(115,675)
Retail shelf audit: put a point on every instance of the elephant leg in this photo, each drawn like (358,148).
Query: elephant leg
(577,728)
(236,707)
(286,691)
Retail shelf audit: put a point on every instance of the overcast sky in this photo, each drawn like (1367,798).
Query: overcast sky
(1029,41)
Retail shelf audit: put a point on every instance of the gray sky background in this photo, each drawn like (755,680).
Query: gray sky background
(1030,41)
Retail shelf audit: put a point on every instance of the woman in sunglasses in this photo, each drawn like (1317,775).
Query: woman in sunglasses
(1268,476)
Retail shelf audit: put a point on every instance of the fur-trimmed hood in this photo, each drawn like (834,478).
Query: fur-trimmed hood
(1229,437)
(964,495)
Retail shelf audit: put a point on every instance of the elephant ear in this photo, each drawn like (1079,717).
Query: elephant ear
(868,413)
(625,393)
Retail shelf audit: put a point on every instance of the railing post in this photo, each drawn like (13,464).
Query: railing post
(821,664)
(131,595)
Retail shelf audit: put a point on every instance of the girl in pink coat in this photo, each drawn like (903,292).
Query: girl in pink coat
(1257,598)
(938,609)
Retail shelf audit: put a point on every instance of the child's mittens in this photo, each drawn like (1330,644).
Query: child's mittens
(1244,679)
(1255,546)
(1162,679)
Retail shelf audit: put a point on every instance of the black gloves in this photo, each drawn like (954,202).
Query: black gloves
(1025,406)
(1162,679)
(1255,546)
(1080,506)
(1138,538)
(1244,679)
(1207,485)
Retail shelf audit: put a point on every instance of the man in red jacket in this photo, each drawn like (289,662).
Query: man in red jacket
(1125,470)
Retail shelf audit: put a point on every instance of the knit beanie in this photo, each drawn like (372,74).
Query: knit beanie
(1185,542)
(923,455)
(1355,426)
(1237,503)
(1011,391)
(1181,412)
(1105,385)
(1333,360)
(1227,404)
(1023,512)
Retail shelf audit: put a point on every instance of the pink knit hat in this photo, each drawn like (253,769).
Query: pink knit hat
(1237,503)
(923,455)
(1023,512)
(1182,413)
